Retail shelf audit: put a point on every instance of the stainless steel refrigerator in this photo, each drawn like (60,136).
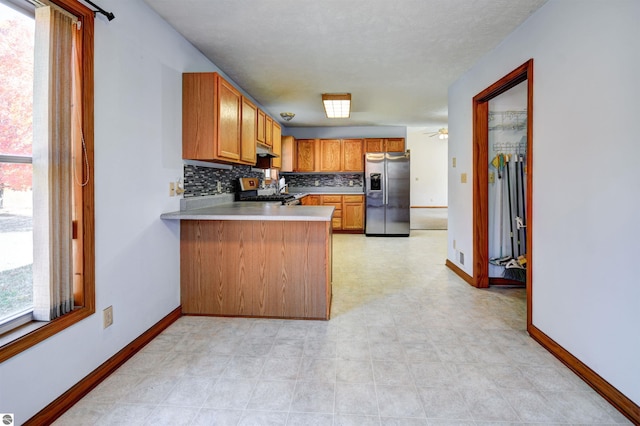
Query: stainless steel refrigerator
(387,192)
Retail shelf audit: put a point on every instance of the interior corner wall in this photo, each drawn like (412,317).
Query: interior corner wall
(428,168)
(139,60)
(585,180)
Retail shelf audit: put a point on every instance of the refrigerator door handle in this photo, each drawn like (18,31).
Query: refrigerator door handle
(386,186)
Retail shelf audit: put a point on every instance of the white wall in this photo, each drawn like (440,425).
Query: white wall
(585,182)
(138,64)
(346,132)
(428,168)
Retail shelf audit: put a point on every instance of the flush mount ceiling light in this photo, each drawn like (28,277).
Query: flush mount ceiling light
(337,105)
(287,115)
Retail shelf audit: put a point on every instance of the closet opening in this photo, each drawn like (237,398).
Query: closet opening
(502,179)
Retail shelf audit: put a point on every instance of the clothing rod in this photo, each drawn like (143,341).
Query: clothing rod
(110,16)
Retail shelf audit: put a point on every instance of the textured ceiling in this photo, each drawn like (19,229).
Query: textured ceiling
(396,58)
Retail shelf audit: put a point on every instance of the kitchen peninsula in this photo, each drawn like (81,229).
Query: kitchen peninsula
(255,260)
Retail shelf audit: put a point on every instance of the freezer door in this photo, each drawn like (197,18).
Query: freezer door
(398,199)
(375,193)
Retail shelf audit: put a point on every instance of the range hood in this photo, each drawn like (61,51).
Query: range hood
(265,151)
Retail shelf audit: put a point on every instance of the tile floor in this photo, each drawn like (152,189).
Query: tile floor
(409,343)
(429,218)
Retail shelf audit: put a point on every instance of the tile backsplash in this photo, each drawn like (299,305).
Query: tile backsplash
(325,180)
(202,181)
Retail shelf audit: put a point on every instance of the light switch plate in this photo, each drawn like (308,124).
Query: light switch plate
(107,317)
(463,178)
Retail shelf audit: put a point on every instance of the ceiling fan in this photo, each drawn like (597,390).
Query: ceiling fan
(443,133)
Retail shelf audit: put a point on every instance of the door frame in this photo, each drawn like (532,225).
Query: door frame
(481,176)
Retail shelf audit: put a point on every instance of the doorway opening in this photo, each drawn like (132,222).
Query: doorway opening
(481,177)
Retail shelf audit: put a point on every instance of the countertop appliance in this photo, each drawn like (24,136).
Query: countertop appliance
(387,193)
(248,191)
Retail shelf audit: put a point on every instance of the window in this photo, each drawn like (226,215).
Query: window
(16,135)
(46,282)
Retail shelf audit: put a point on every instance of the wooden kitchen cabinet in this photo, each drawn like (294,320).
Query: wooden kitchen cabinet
(261,129)
(236,268)
(288,153)
(330,155)
(248,132)
(312,200)
(353,155)
(384,145)
(374,145)
(353,212)
(211,118)
(335,201)
(268,137)
(306,155)
(276,136)
(349,210)
(394,145)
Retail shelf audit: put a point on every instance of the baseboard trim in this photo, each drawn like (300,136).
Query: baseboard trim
(60,405)
(462,274)
(616,398)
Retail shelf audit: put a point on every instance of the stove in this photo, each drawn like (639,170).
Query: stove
(248,191)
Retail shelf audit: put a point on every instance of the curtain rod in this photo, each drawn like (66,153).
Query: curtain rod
(110,16)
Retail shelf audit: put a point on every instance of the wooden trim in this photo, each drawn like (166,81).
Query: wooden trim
(480,194)
(529,229)
(65,401)
(507,82)
(87,297)
(40,334)
(616,398)
(480,176)
(462,274)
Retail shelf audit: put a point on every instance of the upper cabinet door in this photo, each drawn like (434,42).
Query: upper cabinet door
(268,138)
(353,155)
(229,101)
(198,111)
(330,155)
(374,145)
(248,132)
(210,118)
(262,121)
(288,154)
(306,155)
(276,135)
(394,145)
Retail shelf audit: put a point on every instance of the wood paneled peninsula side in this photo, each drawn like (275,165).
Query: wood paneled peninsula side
(256,260)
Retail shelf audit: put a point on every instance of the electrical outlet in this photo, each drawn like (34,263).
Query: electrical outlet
(317,183)
(453,162)
(350,183)
(172,189)
(463,178)
(492,177)
(219,187)
(107,317)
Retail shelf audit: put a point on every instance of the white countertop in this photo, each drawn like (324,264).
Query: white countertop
(255,211)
